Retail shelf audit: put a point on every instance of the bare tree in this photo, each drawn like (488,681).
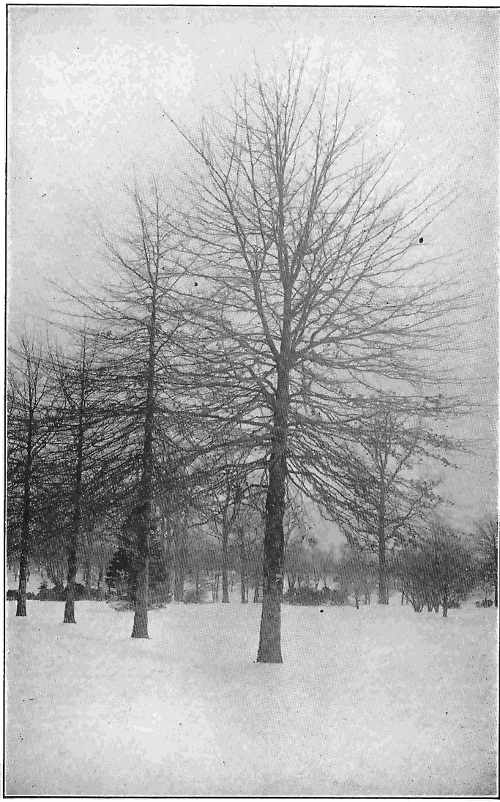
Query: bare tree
(310,278)
(486,547)
(81,439)
(392,495)
(29,429)
(137,319)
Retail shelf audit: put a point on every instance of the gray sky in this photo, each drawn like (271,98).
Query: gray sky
(87,91)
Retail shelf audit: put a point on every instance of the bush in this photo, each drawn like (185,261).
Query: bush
(12,595)
(310,597)
(190,596)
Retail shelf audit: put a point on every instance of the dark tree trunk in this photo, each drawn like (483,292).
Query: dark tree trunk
(88,579)
(23,579)
(225,584)
(179,563)
(25,532)
(215,587)
(383,593)
(100,589)
(140,628)
(445,603)
(496,594)
(69,606)
(243,578)
(274,542)
(256,592)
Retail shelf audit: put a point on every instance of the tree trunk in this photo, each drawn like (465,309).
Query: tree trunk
(445,603)
(197,585)
(270,626)
(69,605)
(88,579)
(25,532)
(243,579)
(21,597)
(225,584)
(383,594)
(100,589)
(179,566)
(140,628)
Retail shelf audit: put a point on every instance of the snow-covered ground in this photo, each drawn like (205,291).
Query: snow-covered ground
(379,701)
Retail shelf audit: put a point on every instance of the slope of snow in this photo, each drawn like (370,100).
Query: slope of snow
(379,701)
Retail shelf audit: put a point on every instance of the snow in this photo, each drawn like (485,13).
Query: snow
(376,701)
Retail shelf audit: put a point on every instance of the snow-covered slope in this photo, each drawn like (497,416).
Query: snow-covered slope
(379,701)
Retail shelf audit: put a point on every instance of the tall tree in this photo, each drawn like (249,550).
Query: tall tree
(30,426)
(309,272)
(81,440)
(137,318)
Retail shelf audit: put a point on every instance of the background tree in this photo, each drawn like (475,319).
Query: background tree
(80,439)
(311,290)
(437,570)
(392,493)
(30,426)
(486,549)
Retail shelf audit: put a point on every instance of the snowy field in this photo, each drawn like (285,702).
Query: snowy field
(379,701)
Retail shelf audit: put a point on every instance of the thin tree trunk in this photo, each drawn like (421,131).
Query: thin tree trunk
(225,584)
(88,579)
(69,606)
(445,603)
(243,578)
(179,567)
(25,532)
(100,589)
(383,595)
(496,594)
(140,628)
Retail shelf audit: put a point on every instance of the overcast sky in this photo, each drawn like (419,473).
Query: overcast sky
(88,87)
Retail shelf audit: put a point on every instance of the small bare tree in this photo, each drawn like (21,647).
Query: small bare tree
(486,548)
(391,494)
